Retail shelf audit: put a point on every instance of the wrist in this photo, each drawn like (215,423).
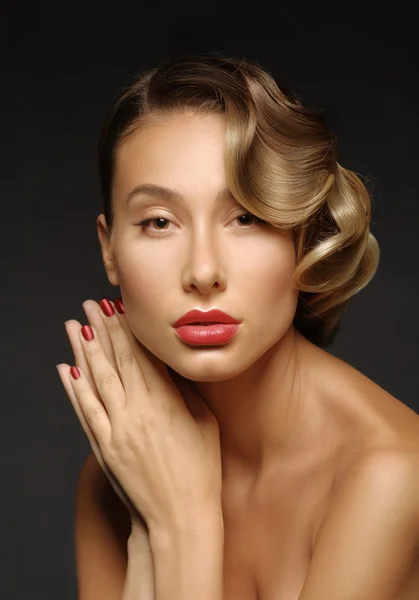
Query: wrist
(188,529)
(190,559)
(188,521)
(138,540)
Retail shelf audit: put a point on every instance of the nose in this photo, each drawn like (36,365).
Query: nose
(204,271)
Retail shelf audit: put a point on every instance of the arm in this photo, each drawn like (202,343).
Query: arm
(139,579)
(368,544)
(187,565)
(102,528)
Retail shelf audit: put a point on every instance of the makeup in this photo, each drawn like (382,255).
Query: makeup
(210,334)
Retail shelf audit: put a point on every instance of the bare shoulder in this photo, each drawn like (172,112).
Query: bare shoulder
(376,512)
(389,422)
(374,499)
(365,414)
(364,420)
(373,440)
(102,528)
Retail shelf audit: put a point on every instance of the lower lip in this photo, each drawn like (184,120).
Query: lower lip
(207,335)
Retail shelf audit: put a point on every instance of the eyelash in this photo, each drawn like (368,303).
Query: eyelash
(146,222)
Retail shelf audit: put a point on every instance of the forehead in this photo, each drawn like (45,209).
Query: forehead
(182,136)
(181,152)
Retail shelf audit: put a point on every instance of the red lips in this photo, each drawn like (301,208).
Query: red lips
(198,316)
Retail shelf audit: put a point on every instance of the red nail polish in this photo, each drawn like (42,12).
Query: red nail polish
(119,306)
(106,307)
(87,332)
(75,373)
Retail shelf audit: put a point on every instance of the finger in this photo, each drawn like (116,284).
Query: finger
(126,361)
(89,410)
(73,328)
(94,315)
(106,378)
(64,373)
(141,372)
(154,371)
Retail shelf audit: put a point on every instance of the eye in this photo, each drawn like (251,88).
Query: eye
(251,216)
(162,221)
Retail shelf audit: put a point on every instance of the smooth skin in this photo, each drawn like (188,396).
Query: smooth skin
(158,449)
(280,402)
(379,495)
(142,429)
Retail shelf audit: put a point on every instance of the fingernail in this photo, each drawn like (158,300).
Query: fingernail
(87,332)
(106,307)
(75,373)
(119,306)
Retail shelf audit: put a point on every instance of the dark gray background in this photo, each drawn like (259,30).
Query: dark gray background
(61,69)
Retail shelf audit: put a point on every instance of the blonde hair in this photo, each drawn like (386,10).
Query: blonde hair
(280,164)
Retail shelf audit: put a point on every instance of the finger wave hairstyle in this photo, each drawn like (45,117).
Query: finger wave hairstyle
(280,164)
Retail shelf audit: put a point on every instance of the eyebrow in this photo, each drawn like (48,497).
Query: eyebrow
(151,189)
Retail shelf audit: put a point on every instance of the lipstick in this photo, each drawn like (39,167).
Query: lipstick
(206,328)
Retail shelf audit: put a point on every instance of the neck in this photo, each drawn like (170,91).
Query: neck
(265,412)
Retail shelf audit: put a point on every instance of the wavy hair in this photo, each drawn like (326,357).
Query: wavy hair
(280,164)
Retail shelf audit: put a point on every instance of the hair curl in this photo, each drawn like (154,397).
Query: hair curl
(280,164)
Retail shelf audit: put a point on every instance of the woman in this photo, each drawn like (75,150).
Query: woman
(235,457)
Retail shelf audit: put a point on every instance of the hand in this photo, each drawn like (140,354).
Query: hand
(154,435)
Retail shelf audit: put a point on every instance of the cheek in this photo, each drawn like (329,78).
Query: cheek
(272,294)
(270,300)
(268,271)
(261,271)
(144,277)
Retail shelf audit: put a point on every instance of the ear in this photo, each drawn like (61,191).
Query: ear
(107,250)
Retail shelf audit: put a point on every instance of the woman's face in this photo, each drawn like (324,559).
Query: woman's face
(195,252)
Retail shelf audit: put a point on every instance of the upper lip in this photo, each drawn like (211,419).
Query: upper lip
(210,316)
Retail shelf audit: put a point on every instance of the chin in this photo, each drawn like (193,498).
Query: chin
(209,373)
